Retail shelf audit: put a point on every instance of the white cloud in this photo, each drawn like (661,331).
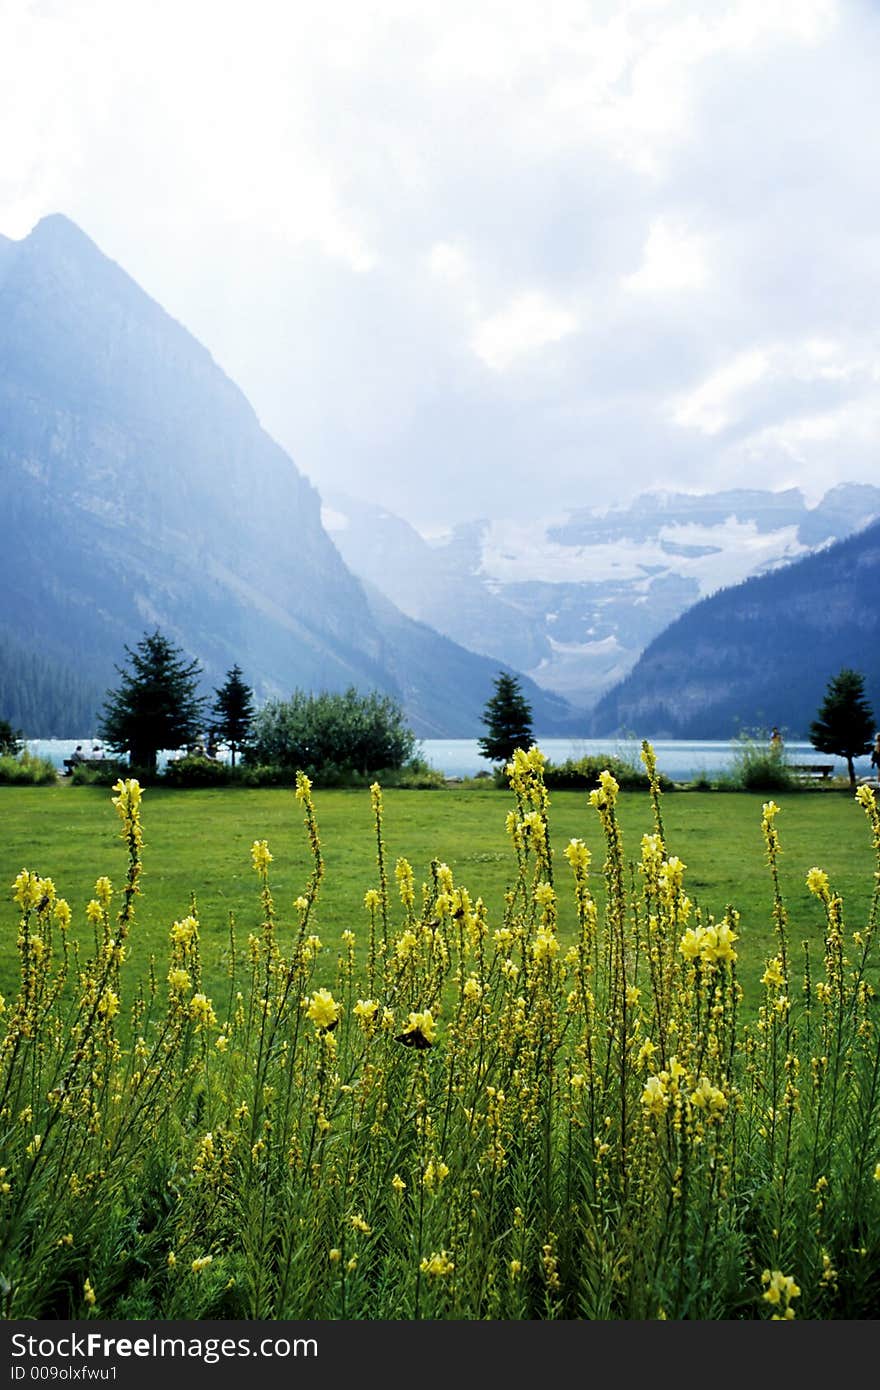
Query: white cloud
(674,258)
(626,237)
(713,405)
(529,323)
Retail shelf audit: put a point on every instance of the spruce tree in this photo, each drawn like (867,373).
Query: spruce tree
(233,711)
(844,724)
(156,705)
(508,717)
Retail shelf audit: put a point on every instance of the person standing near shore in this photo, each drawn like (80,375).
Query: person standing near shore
(875,756)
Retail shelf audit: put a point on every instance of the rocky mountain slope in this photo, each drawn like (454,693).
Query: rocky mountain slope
(139,490)
(759,653)
(575,601)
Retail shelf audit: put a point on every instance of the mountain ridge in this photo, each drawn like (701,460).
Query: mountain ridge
(141,491)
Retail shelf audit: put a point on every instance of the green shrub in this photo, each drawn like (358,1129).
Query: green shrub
(759,766)
(27,770)
(579,774)
(193,771)
(102,775)
(320,733)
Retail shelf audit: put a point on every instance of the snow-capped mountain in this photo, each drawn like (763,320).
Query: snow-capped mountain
(574,600)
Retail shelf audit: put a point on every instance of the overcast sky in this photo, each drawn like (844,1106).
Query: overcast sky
(486,259)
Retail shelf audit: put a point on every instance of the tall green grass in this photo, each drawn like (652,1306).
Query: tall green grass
(447,1110)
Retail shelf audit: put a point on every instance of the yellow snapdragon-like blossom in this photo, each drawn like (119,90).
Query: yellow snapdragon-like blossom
(438,1264)
(578,855)
(817,882)
(365,1011)
(773,975)
(654,1096)
(261,856)
(323,1009)
(779,1290)
(709,1098)
(201,1011)
(422,1022)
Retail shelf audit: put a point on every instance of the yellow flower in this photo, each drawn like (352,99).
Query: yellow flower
(438,1264)
(201,1010)
(184,932)
(545,945)
(359,1224)
(424,1023)
(435,1174)
(654,1097)
(405,944)
(335,1255)
(323,1009)
(773,974)
(371,899)
(179,981)
(709,1098)
(365,1011)
(544,895)
(472,989)
(398,1184)
(108,1004)
(88,1293)
(780,1288)
(817,882)
(646,1052)
(260,856)
(578,855)
(202,1263)
(691,944)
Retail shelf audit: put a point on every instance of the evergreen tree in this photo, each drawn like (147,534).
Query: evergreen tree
(156,706)
(844,723)
(10,740)
(233,711)
(508,717)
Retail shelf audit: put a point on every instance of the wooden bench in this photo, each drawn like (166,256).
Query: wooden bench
(822,770)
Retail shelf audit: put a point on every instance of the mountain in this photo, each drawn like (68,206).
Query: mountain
(140,491)
(758,653)
(575,601)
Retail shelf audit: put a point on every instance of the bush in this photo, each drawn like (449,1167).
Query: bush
(87,774)
(759,766)
(331,734)
(26,770)
(583,774)
(193,771)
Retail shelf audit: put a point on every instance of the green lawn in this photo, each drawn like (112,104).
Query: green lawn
(198,842)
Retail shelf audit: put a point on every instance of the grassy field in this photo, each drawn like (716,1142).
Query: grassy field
(198,843)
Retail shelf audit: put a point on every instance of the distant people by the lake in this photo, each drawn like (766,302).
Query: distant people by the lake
(77,756)
(775,740)
(875,756)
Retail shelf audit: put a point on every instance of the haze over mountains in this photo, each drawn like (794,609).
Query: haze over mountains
(760,653)
(139,491)
(575,601)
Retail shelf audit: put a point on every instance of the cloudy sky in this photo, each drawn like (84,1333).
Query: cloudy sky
(479,258)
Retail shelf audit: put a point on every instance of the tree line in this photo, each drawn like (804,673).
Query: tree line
(157,705)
